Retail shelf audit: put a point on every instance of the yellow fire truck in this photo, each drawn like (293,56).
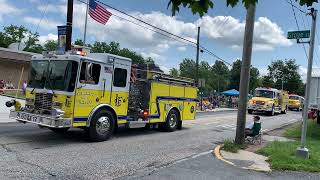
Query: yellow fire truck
(101,92)
(295,102)
(268,100)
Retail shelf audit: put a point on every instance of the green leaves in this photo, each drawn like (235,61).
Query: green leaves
(307,2)
(197,6)
(201,7)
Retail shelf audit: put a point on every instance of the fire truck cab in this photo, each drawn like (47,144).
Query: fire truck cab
(101,92)
(268,100)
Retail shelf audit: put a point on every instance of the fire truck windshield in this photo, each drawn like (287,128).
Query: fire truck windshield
(263,93)
(294,97)
(54,75)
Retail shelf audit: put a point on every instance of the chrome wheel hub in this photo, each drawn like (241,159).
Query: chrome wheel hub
(103,125)
(173,120)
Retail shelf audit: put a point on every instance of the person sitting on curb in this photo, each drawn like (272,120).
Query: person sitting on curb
(254,128)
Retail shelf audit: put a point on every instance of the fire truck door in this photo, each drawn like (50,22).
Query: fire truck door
(120,88)
(93,88)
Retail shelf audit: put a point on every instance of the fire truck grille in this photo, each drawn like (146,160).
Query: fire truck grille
(259,102)
(43,101)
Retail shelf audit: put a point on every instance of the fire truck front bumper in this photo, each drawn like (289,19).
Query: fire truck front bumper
(47,121)
(260,108)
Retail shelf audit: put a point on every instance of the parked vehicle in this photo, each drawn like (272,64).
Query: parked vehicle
(295,102)
(314,98)
(268,100)
(101,92)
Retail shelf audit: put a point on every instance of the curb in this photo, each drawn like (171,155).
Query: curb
(217,154)
(217,111)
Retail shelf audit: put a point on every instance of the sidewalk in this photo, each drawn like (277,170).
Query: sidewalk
(207,167)
(4,111)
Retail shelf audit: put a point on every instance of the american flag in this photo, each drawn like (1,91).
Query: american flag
(98,12)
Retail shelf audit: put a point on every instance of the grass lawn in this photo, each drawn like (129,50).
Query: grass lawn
(230,146)
(282,154)
(20,94)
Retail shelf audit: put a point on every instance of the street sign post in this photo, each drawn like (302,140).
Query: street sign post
(298,34)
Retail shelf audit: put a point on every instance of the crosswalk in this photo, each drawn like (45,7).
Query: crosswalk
(222,124)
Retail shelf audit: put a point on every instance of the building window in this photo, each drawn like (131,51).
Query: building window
(120,77)
(90,73)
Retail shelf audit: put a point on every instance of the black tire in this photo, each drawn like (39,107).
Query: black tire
(285,111)
(271,113)
(172,121)
(59,130)
(102,126)
(179,126)
(250,111)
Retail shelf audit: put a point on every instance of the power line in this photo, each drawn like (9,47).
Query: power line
(295,17)
(171,35)
(294,6)
(122,12)
(43,15)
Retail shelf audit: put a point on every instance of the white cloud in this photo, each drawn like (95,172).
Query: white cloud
(50,8)
(8,9)
(303,72)
(182,48)
(165,69)
(263,71)
(44,23)
(156,57)
(229,31)
(43,39)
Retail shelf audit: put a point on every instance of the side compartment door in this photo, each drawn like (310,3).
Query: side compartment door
(120,87)
(90,90)
(189,108)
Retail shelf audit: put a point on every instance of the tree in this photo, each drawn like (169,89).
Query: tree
(201,7)
(220,75)
(174,72)
(267,81)
(50,45)
(188,68)
(114,48)
(79,42)
(285,73)
(12,34)
(235,76)
(254,78)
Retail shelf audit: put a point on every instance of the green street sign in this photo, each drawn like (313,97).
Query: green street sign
(298,34)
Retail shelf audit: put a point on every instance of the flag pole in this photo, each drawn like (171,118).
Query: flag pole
(85,25)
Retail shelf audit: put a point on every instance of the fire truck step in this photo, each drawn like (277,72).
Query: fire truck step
(136,124)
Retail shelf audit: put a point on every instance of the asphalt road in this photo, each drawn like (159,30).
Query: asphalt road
(27,152)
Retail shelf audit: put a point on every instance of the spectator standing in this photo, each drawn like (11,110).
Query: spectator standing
(24,87)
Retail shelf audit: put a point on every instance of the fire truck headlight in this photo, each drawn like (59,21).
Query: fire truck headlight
(57,112)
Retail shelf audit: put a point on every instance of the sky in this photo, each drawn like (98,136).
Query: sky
(221,29)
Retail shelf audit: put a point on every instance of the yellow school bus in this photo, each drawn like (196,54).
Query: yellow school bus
(101,92)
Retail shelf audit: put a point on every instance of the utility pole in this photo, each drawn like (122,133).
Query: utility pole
(197,58)
(245,74)
(69,25)
(302,151)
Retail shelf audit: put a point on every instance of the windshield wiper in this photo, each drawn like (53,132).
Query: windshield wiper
(50,85)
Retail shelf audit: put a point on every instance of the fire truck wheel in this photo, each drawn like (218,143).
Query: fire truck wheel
(172,121)
(101,126)
(271,113)
(284,111)
(59,130)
